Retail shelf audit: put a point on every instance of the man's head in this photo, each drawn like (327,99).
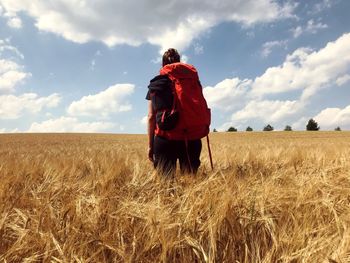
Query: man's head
(171,56)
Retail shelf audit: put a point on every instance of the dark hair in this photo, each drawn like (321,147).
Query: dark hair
(171,56)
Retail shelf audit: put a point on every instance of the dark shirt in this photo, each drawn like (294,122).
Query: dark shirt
(160,92)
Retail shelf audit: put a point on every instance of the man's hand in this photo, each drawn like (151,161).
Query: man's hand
(150,154)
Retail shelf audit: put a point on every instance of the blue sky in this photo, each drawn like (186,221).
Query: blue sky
(84,66)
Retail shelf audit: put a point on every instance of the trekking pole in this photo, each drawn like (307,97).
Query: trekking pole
(188,156)
(210,157)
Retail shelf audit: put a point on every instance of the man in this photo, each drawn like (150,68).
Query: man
(178,116)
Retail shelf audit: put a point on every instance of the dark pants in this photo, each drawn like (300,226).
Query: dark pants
(166,153)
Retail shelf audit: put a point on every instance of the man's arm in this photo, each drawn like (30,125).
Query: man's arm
(151,125)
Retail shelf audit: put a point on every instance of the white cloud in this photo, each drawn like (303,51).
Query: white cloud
(164,23)
(3,130)
(12,19)
(157,60)
(111,100)
(5,45)
(268,110)
(143,121)
(332,117)
(198,49)
(297,31)
(300,124)
(343,79)
(227,94)
(307,70)
(304,71)
(13,107)
(97,54)
(268,46)
(184,58)
(14,22)
(311,27)
(70,124)
(320,6)
(11,75)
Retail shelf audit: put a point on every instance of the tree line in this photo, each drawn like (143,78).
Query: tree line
(312,125)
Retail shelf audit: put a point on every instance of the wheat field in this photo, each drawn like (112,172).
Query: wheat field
(272,197)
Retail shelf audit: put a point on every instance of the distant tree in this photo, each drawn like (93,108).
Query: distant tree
(312,125)
(215,130)
(249,129)
(288,128)
(232,129)
(268,127)
(337,129)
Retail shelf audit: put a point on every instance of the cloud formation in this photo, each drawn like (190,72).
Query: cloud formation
(112,100)
(343,79)
(269,46)
(11,73)
(267,110)
(12,19)
(307,70)
(321,6)
(133,22)
(14,22)
(5,46)
(311,27)
(227,94)
(330,118)
(70,124)
(13,107)
(144,120)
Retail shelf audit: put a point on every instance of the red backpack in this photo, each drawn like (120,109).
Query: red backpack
(190,106)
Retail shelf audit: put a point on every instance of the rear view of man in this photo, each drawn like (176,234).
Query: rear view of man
(178,116)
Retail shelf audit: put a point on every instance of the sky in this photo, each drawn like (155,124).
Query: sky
(84,65)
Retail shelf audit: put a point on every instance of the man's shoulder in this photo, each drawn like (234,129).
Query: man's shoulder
(160,78)
(159,82)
